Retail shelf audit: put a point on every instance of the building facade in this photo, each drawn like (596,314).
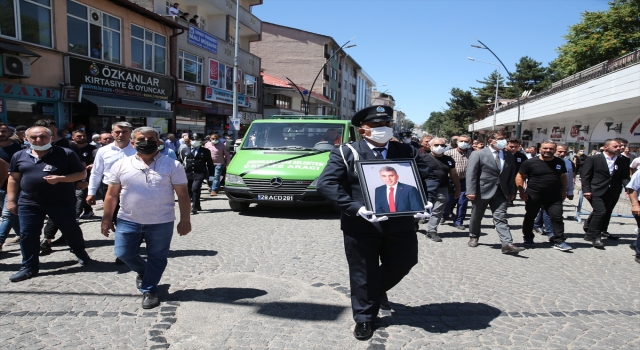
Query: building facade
(283,98)
(364,87)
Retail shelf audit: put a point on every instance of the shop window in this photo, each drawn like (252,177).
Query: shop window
(190,67)
(148,50)
(283,101)
(250,85)
(92,33)
(23,112)
(27,20)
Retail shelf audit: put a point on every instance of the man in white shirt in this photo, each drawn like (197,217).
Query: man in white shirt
(106,157)
(146,184)
(173,10)
(633,188)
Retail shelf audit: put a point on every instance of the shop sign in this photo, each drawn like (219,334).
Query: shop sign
(1,105)
(556,136)
(203,40)
(574,131)
(17,90)
(633,128)
(222,96)
(70,94)
(100,77)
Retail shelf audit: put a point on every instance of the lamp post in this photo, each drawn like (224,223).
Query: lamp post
(235,72)
(518,124)
(308,102)
(495,105)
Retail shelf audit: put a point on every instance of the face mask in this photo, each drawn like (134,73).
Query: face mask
(438,149)
(196,144)
(215,142)
(581,152)
(500,144)
(41,148)
(161,147)
(463,145)
(147,146)
(381,134)
(406,140)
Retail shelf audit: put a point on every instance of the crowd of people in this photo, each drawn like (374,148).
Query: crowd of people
(58,175)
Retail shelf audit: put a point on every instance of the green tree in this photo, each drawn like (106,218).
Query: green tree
(456,119)
(528,75)
(409,124)
(487,92)
(601,36)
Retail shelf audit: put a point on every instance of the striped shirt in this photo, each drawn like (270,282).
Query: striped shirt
(461,160)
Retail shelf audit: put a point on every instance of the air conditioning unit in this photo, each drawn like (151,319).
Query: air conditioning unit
(95,16)
(16,66)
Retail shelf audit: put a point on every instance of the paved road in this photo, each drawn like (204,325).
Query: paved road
(277,278)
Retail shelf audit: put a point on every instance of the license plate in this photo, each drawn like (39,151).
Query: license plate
(265,197)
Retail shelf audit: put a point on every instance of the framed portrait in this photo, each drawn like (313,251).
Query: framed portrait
(391,187)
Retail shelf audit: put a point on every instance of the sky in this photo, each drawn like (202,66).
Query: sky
(417,49)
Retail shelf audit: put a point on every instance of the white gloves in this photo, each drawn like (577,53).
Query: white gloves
(368,215)
(427,212)
(211,178)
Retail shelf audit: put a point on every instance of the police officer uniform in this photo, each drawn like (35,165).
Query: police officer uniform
(393,242)
(198,164)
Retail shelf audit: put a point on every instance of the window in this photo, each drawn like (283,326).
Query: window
(169,4)
(304,106)
(283,101)
(250,85)
(148,50)
(344,102)
(92,33)
(189,67)
(27,20)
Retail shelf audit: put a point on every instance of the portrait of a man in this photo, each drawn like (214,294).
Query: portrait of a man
(395,196)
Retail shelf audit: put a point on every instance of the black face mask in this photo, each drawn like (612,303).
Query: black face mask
(147,147)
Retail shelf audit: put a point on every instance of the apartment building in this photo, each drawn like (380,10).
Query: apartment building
(205,62)
(364,87)
(84,62)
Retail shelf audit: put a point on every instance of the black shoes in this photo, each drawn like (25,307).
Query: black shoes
(597,242)
(363,330)
(194,211)
(23,274)
(119,262)
(460,227)
(384,302)
(434,236)
(139,281)
(61,241)
(607,235)
(84,259)
(45,247)
(150,300)
(638,260)
(473,242)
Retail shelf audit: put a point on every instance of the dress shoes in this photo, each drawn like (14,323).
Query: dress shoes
(139,281)
(434,236)
(384,302)
(194,211)
(363,330)
(45,247)
(119,262)
(597,242)
(607,235)
(61,241)
(473,242)
(150,300)
(528,242)
(23,274)
(84,259)
(510,248)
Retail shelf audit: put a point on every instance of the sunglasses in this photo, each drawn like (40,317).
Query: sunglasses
(439,144)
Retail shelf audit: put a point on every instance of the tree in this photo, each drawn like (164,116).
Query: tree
(601,36)
(409,124)
(528,75)
(454,120)
(487,91)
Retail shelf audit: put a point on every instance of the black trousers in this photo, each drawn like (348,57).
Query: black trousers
(377,262)
(194,187)
(553,208)
(81,202)
(598,220)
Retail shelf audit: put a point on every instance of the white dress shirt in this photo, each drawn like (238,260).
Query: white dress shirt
(384,153)
(395,190)
(500,154)
(610,162)
(105,158)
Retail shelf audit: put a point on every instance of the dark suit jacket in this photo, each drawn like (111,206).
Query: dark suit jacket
(339,183)
(595,176)
(407,198)
(484,177)
(196,167)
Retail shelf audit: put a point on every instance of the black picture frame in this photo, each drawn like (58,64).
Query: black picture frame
(409,203)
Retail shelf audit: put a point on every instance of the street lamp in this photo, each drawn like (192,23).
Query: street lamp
(308,102)
(518,124)
(495,106)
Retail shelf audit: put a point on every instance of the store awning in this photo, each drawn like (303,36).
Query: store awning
(7,47)
(115,107)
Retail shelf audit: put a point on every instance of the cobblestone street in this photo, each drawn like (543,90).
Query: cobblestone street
(277,278)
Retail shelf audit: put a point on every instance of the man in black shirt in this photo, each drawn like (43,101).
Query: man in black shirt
(547,188)
(514,146)
(85,152)
(578,160)
(7,148)
(445,169)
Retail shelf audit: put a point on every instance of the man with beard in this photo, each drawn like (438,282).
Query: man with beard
(547,188)
(7,149)
(85,152)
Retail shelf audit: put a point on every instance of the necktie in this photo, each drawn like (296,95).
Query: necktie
(379,151)
(497,158)
(392,201)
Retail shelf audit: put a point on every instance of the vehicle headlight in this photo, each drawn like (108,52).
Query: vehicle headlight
(233,179)
(314,183)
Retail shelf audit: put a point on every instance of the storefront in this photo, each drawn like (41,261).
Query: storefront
(24,104)
(109,93)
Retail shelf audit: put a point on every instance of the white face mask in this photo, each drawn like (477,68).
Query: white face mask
(463,145)
(500,144)
(406,140)
(438,149)
(195,144)
(215,142)
(41,148)
(381,134)
(160,147)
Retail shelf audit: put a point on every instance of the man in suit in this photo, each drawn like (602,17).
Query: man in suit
(369,239)
(603,176)
(197,161)
(491,181)
(395,196)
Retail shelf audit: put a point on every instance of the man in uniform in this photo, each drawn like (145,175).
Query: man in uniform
(197,161)
(369,239)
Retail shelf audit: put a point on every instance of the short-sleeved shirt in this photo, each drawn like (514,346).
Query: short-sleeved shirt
(519,158)
(636,163)
(147,194)
(634,183)
(441,168)
(544,177)
(6,153)
(34,189)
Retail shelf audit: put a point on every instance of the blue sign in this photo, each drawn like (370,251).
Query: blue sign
(203,40)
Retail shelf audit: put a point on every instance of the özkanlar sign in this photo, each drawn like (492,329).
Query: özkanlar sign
(105,78)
